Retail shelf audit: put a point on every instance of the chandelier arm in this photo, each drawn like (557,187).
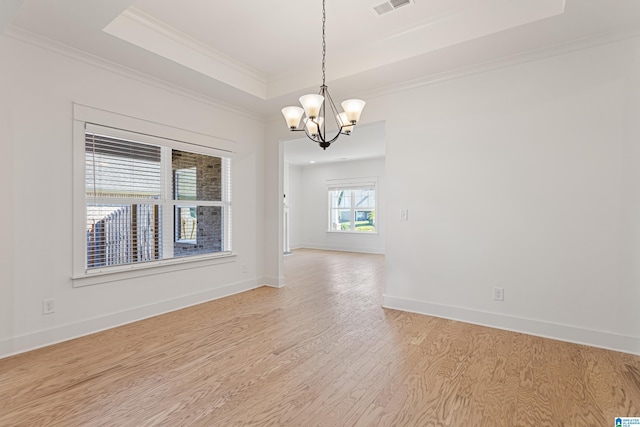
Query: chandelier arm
(331,103)
(318,138)
(335,115)
(322,138)
(334,109)
(334,138)
(321,113)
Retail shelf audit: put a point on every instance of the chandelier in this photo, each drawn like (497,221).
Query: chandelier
(315,107)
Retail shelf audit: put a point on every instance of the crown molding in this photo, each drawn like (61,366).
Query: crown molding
(53,46)
(479,68)
(506,62)
(144,31)
(493,65)
(193,44)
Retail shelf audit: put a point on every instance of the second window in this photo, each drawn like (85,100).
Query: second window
(352,209)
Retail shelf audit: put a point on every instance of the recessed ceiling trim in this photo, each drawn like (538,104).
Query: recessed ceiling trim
(146,32)
(67,51)
(466,24)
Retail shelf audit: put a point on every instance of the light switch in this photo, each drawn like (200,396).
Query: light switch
(404,215)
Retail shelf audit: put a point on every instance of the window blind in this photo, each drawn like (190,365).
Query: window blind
(135,189)
(120,175)
(117,168)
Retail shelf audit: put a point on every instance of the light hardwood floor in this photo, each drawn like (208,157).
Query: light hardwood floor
(320,351)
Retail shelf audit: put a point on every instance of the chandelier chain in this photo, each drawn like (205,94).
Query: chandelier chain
(324,43)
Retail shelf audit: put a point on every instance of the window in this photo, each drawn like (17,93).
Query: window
(352,208)
(148,199)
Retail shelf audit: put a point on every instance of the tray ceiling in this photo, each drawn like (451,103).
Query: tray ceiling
(259,55)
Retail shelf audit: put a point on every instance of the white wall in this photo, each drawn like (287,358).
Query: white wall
(525,178)
(38,88)
(313,216)
(293,190)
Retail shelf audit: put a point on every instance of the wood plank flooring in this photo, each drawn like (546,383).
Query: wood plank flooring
(319,352)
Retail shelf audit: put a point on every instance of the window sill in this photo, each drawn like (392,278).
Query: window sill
(358,233)
(113,274)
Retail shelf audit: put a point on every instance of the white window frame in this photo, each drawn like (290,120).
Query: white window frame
(170,138)
(351,184)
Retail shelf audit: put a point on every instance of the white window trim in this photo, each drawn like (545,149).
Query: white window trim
(341,183)
(196,142)
(130,271)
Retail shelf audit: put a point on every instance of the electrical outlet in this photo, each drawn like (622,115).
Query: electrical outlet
(498,294)
(244,268)
(48,306)
(404,215)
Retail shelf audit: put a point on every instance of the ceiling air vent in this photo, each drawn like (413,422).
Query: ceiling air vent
(390,5)
(399,3)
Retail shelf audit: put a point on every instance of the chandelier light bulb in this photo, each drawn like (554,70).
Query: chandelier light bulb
(312,128)
(353,108)
(312,104)
(292,116)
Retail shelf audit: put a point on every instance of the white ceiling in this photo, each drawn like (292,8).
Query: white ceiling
(261,55)
(276,45)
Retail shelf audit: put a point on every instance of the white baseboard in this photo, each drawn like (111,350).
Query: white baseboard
(274,282)
(606,340)
(358,249)
(43,338)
